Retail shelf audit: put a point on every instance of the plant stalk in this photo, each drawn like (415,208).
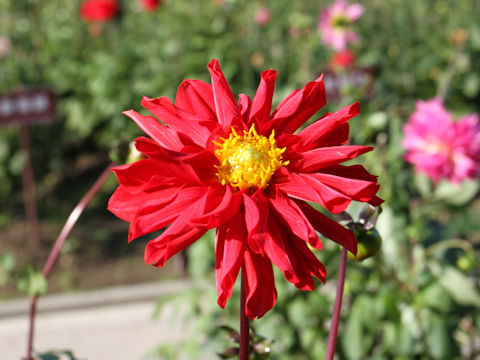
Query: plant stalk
(244,323)
(332,337)
(52,257)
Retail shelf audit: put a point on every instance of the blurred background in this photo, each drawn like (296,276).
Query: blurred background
(417,298)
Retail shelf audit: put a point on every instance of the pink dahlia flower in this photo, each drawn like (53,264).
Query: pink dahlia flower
(335,24)
(440,147)
(262,16)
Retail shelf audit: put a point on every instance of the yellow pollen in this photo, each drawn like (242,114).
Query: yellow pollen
(248,160)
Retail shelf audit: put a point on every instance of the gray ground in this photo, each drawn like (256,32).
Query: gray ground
(113,323)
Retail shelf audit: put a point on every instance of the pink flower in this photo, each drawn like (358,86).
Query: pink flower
(335,24)
(440,147)
(262,16)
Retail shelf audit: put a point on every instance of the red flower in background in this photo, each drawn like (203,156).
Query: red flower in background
(342,60)
(150,5)
(98,10)
(213,162)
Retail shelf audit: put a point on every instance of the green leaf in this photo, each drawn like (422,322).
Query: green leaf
(460,288)
(32,282)
(7,263)
(437,337)
(361,328)
(56,355)
(471,85)
(457,194)
(436,297)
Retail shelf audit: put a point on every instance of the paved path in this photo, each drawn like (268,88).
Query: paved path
(107,324)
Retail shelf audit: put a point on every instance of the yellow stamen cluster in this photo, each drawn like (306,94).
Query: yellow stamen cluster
(248,160)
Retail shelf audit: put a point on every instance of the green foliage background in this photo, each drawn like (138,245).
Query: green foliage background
(418,298)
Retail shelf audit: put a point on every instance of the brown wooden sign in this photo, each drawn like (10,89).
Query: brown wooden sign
(361,79)
(32,106)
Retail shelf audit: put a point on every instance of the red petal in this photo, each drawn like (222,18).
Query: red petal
(360,190)
(299,107)
(329,228)
(156,212)
(323,130)
(292,256)
(229,250)
(308,188)
(316,159)
(135,177)
(189,125)
(293,219)
(256,216)
(221,204)
(196,97)
(177,237)
(259,284)
(126,204)
(245,105)
(166,137)
(262,102)
(376,201)
(225,104)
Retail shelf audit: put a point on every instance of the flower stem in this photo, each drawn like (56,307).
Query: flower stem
(332,337)
(52,257)
(244,323)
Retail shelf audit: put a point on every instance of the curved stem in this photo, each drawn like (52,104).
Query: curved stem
(332,337)
(244,323)
(52,257)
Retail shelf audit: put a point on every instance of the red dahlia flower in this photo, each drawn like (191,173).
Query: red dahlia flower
(98,10)
(213,162)
(342,60)
(150,5)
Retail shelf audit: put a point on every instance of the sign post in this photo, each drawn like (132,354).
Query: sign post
(25,108)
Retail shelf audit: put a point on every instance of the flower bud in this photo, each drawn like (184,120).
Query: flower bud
(369,242)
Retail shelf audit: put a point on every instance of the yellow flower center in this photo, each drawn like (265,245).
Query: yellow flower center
(248,160)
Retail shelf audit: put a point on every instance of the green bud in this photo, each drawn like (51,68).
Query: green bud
(466,261)
(369,242)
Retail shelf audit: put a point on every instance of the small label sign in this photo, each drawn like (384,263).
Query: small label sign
(27,107)
(361,79)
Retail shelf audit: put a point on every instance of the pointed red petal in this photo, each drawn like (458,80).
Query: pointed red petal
(157,212)
(356,189)
(196,97)
(323,130)
(256,217)
(177,237)
(329,228)
(307,187)
(299,107)
(262,102)
(136,176)
(292,256)
(225,104)
(259,284)
(245,105)
(189,125)
(221,204)
(229,251)
(166,137)
(316,159)
(293,218)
